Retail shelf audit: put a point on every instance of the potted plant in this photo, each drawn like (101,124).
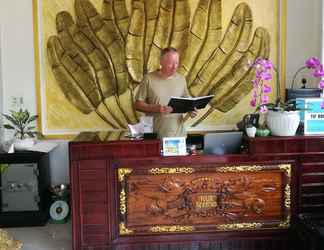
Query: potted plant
(21,122)
(282,117)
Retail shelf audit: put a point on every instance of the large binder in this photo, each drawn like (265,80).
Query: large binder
(187,104)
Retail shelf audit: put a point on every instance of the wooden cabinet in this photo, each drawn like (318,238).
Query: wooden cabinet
(308,153)
(92,187)
(125,196)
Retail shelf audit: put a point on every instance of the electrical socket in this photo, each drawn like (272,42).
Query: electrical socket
(17,102)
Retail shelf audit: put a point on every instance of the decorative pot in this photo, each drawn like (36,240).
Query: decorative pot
(250,131)
(261,132)
(283,123)
(24,144)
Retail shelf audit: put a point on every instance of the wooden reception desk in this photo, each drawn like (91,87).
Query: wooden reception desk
(126,196)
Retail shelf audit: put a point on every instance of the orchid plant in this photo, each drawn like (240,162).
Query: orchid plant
(316,66)
(261,87)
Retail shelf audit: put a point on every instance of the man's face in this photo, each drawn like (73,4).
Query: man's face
(169,63)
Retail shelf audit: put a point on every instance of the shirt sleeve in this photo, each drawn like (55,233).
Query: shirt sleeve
(186,91)
(142,93)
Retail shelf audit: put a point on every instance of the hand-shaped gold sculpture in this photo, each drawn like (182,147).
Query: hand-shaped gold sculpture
(99,59)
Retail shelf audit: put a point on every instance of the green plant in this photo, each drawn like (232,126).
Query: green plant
(21,122)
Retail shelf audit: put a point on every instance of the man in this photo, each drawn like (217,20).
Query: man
(155,92)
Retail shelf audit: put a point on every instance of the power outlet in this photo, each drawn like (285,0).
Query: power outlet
(17,102)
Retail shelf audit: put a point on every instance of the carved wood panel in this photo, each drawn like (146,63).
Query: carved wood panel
(177,199)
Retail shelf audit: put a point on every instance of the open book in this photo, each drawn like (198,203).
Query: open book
(187,104)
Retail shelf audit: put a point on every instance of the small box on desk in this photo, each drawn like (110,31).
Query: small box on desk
(311,115)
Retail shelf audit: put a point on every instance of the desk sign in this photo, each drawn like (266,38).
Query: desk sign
(313,116)
(174,146)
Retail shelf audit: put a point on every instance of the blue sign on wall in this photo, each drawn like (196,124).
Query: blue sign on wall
(312,116)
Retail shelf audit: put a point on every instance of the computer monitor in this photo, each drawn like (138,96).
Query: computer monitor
(221,143)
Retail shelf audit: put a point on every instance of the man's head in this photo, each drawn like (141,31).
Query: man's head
(169,61)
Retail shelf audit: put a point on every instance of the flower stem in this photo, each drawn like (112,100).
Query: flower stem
(295,75)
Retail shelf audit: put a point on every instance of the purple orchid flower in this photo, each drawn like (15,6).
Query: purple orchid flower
(253,102)
(319,72)
(266,88)
(266,76)
(312,63)
(263,109)
(321,84)
(264,99)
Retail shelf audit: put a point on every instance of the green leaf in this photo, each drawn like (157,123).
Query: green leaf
(25,117)
(32,118)
(30,128)
(31,134)
(11,119)
(3,167)
(8,126)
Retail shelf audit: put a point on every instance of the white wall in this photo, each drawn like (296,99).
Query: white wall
(17,68)
(1,92)
(17,57)
(304,37)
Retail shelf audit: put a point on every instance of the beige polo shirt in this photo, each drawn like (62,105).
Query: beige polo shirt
(156,90)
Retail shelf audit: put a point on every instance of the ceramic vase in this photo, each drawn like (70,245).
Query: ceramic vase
(24,144)
(250,131)
(283,123)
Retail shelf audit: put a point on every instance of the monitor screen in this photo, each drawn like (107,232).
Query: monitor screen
(221,143)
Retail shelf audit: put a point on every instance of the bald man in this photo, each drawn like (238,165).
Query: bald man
(155,92)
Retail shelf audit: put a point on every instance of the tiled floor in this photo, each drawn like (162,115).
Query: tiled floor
(48,237)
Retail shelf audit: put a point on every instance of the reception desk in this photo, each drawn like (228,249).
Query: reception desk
(126,196)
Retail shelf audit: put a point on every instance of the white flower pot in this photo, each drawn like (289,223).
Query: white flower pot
(24,144)
(283,123)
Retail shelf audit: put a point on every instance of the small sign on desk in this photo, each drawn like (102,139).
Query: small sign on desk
(174,146)
(312,116)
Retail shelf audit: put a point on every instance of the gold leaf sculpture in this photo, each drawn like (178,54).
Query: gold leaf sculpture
(99,59)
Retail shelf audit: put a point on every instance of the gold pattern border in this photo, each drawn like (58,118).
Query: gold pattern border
(123,230)
(237,169)
(158,171)
(172,229)
(287,168)
(287,196)
(122,202)
(286,223)
(122,172)
(239,226)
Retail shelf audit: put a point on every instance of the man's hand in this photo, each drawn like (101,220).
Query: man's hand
(193,113)
(165,109)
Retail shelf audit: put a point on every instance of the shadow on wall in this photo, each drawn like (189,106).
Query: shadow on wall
(59,163)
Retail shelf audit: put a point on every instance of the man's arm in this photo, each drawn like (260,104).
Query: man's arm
(152,108)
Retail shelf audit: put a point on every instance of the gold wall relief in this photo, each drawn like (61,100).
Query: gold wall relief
(92,69)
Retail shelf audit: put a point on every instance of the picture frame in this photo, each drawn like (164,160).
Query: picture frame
(174,146)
